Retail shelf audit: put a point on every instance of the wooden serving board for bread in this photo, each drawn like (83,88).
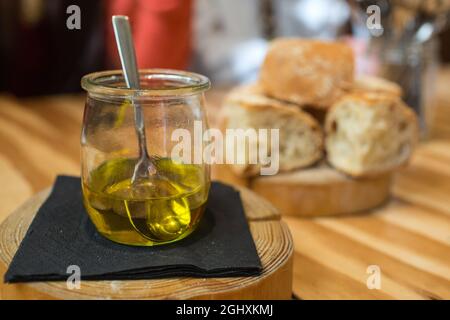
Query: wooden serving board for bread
(272,238)
(316,191)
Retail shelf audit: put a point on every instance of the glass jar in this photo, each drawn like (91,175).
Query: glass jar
(414,67)
(169,206)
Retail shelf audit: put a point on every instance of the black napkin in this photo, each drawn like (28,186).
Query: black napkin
(62,235)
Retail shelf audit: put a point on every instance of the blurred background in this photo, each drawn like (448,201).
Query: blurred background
(224,39)
(401,40)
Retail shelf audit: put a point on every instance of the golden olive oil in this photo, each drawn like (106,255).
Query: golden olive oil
(164,208)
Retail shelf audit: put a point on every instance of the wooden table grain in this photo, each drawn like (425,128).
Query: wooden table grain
(408,240)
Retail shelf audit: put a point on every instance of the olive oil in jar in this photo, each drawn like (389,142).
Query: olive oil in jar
(165,208)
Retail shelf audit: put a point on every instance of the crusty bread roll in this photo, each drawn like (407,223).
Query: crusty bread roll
(377,85)
(300,136)
(307,72)
(369,133)
(253,92)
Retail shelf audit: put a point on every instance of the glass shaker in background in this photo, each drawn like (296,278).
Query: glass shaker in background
(414,67)
(406,52)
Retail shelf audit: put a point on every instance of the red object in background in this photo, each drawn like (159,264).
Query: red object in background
(161,32)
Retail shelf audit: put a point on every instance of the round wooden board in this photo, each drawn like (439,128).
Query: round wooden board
(272,238)
(316,191)
(322,191)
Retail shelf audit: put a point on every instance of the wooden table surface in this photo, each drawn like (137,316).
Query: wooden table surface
(408,239)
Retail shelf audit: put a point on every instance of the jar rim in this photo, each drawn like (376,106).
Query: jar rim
(181,83)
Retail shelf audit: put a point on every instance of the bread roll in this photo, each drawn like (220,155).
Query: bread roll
(255,93)
(376,85)
(307,72)
(369,133)
(300,136)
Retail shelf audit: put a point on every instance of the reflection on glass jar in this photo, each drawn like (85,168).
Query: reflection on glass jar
(167,207)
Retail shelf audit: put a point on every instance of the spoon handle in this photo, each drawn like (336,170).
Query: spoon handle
(125,45)
(127,54)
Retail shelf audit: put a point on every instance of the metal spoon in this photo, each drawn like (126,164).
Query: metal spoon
(145,165)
